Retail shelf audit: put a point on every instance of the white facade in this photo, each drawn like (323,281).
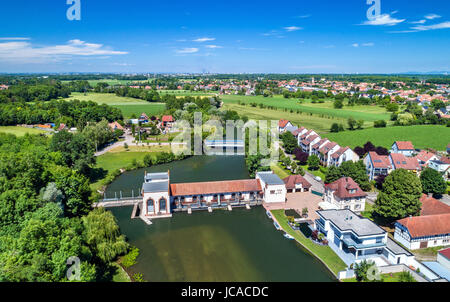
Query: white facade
(274,189)
(348,155)
(355,204)
(395,149)
(414,244)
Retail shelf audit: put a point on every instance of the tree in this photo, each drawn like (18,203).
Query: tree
(301,156)
(364,270)
(369,147)
(351,123)
(332,175)
(406,277)
(400,196)
(289,142)
(338,104)
(103,235)
(335,128)
(432,182)
(98,133)
(313,162)
(392,107)
(360,151)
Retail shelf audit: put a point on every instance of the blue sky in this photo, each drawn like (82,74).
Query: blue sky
(300,36)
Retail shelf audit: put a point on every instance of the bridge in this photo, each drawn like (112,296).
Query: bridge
(225,147)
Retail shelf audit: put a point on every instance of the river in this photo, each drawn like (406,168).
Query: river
(241,245)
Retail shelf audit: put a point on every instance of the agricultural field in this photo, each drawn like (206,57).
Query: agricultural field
(367,113)
(20,131)
(129,106)
(185,93)
(316,122)
(422,136)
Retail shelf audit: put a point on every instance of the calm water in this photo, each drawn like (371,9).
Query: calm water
(242,245)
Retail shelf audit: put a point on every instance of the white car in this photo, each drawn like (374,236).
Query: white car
(317,178)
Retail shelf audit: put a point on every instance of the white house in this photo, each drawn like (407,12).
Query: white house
(155,193)
(342,155)
(377,165)
(441,167)
(345,193)
(424,157)
(283,124)
(404,147)
(307,143)
(274,189)
(316,147)
(423,231)
(326,151)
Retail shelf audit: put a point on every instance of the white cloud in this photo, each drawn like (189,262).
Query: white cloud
(419,21)
(213,46)
(355,45)
(26,52)
(187,50)
(201,40)
(442,25)
(14,39)
(303,16)
(370,44)
(384,20)
(432,16)
(292,28)
(329,46)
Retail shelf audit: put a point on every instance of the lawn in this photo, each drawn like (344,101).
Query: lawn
(422,136)
(367,113)
(20,131)
(129,106)
(318,123)
(280,171)
(317,172)
(325,253)
(120,275)
(386,278)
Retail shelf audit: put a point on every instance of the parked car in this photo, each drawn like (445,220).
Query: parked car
(318,178)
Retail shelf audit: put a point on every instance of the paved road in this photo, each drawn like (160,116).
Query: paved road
(128,139)
(317,186)
(445,199)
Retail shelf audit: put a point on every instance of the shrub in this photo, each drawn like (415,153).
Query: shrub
(380,124)
(130,258)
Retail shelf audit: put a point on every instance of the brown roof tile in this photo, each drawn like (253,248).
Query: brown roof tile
(342,187)
(431,225)
(215,187)
(292,180)
(431,206)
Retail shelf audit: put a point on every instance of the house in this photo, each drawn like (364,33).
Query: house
(400,161)
(354,238)
(443,258)
(423,231)
(296,183)
(342,155)
(424,157)
(377,165)
(167,121)
(299,131)
(316,147)
(432,206)
(326,151)
(441,267)
(440,166)
(345,193)
(404,147)
(116,126)
(282,124)
(306,143)
(143,118)
(273,188)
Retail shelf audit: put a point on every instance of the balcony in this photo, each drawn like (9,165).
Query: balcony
(349,242)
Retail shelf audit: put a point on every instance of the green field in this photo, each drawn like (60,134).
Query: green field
(128,105)
(185,93)
(321,124)
(366,113)
(20,131)
(422,136)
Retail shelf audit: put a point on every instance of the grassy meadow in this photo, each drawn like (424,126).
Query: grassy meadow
(20,131)
(129,106)
(422,136)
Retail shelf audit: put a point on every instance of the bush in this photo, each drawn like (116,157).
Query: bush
(380,124)
(130,258)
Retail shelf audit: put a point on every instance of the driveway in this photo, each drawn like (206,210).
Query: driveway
(298,201)
(128,139)
(317,186)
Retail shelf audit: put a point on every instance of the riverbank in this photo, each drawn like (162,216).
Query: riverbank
(324,253)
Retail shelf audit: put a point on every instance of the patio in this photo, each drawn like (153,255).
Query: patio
(298,201)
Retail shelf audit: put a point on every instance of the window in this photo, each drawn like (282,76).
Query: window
(272,192)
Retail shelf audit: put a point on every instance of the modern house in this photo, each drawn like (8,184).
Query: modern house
(377,165)
(423,231)
(424,158)
(273,188)
(342,155)
(326,151)
(316,147)
(354,238)
(306,143)
(296,183)
(404,147)
(306,135)
(345,193)
(441,167)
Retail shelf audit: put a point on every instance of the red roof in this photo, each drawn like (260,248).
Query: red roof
(283,123)
(343,186)
(308,140)
(293,180)
(167,118)
(320,143)
(215,187)
(404,145)
(297,131)
(325,149)
(380,161)
(431,206)
(445,253)
(445,159)
(339,152)
(400,161)
(425,155)
(422,226)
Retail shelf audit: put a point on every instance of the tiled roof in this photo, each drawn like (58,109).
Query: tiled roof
(320,143)
(445,159)
(404,145)
(422,226)
(339,152)
(293,180)
(215,187)
(445,253)
(425,155)
(400,161)
(283,123)
(431,206)
(306,134)
(308,140)
(325,149)
(380,161)
(167,118)
(342,187)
